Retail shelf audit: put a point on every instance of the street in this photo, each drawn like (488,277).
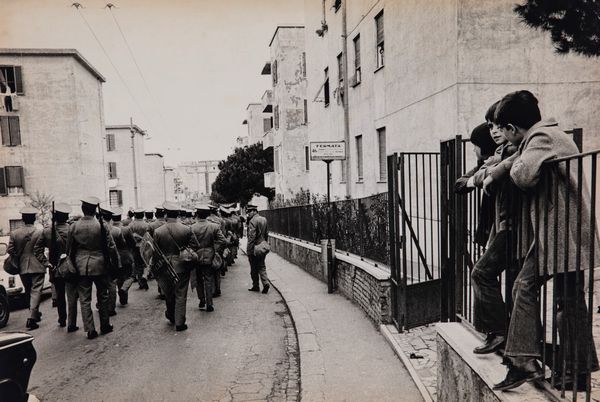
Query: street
(245,350)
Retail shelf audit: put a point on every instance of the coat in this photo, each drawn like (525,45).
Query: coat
(139,228)
(84,246)
(45,242)
(125,245)
(171,238)
(210,240)
(20,245)
(539,180)
(257,232)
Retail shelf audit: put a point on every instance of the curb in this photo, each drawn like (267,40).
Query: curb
(389,337)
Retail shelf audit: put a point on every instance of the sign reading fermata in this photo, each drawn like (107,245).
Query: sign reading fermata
(327,150)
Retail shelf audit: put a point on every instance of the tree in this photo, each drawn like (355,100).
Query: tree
(43,202)
(573,24)
(242,175)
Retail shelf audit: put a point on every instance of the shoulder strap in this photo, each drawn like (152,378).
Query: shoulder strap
(171,234)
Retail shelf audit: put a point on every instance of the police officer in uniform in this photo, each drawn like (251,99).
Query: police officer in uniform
(117,235)
(257,233)
(66,307)
(172,237)
(158,222)
(86,243)
(215,218)
(126,248)
(129,219)
(139,228)
(211,241)
(31,271)
(149,214)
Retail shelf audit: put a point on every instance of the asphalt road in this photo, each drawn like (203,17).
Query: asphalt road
(244,350)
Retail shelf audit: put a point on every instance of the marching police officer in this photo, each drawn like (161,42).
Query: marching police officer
(139,228)
(117,235)
(149,214)
(215,218)
(31,271)
(158,222)
(171,238)
(57,247)
(89,245)
(129,219)
(211,240)
(257,233)
(126,248)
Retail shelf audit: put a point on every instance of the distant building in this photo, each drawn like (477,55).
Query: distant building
(255,122)
(170,184)
(153,181)
(194,180)
(52,129)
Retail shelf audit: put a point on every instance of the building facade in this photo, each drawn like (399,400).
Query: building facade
(194,180)
(153,181)
(409,87)
(53,139)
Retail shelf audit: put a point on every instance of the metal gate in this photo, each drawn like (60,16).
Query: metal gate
(414,231)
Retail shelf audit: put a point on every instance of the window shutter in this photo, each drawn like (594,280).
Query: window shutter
(382,155)
(379,25)
(304,64)
(5,130)
(305,111)
(3,188)
(357,52)
(15,130)
(274,72)
(19,81)
(120,197)
(14,176)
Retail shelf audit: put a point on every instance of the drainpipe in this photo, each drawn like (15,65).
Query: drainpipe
(345,101)
(135,181)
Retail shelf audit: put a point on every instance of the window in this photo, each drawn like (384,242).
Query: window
(276,116)
(303,64)
(326,87)
(359,157)
(12,76)
(382,154)
(306,158)
(267,124)
(116,198)
(305,111)
(15,224)
(11,131)
(276,160)
(379,29)
(112,170)
(343,170)
(356,60)
(11,180)
(274,72)
(340,64)
(337,4)
(110,142)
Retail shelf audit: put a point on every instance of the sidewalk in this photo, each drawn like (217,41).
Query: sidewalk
(342,355)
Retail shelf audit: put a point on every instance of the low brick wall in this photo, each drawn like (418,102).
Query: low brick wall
(369,288)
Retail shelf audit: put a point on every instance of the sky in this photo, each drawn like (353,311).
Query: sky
(200,59)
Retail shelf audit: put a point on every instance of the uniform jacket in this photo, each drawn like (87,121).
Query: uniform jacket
(210,239)
(544,142)
(84,246)
(45,242)
(171,238)
(156,224)
(20,245)
(125,244)
(138,228)
(257,232)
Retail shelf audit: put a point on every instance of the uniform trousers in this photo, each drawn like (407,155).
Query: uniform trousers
(66,300)
(33,284)
(125,280)
(84,289)
(205,287)
(175,296)
(139,268)
(258,269)
(112,295)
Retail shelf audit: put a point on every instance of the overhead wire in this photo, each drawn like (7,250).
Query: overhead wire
(110,7)
(131,95)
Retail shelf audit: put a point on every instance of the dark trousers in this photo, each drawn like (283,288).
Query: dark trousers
(258,269)
(139,268)
(33,284)
(488,305)
(525,329)
(175,296)
(102,283)
(205,287)
(66,300)
(125,280)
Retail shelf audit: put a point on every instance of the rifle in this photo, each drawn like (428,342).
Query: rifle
(109,266)
(156,260)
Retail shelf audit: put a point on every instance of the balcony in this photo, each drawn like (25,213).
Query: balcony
(269,180)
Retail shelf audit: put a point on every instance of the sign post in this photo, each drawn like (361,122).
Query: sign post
(328,152)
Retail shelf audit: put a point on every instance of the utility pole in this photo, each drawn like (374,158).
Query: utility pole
(135,179)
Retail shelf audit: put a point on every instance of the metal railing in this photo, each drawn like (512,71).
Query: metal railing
(359,226)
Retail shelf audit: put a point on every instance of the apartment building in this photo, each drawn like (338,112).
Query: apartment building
(288,127)
(255,122)
(52,126)
(415,73)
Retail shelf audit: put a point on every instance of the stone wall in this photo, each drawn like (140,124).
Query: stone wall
(370,290)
